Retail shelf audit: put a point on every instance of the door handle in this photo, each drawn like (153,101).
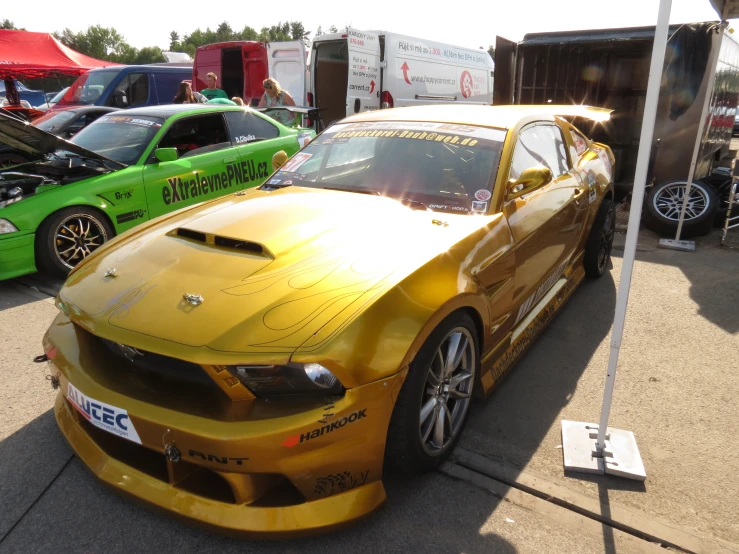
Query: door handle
(229,160)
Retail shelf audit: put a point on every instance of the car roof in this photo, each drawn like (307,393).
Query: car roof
(168,110)
(501,117)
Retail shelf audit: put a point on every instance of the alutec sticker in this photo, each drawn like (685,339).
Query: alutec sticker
(104,416)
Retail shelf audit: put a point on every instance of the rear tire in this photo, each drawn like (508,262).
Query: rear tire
(68,236)
(432,407)
(598,247)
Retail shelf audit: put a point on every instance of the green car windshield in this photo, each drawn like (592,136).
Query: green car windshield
(121,138)
(437,166)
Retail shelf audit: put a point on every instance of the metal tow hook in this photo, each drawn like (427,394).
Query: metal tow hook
(171,452)
(54,379)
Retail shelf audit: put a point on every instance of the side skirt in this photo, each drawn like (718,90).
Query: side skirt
(497,363)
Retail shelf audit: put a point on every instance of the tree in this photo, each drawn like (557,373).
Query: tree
(7,24)
(224,32)
(491,51)
(97,41)
(174,41)
(298,32)
(248,33)
(319,32)
(333,29)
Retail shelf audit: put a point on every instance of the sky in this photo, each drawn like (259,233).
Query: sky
(471,23)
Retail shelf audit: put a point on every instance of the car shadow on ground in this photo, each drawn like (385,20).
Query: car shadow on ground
(510,426)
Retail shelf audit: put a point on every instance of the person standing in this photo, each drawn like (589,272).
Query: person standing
(184,94)
(212,92)
(274,96)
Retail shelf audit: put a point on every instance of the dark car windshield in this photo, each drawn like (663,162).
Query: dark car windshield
(122,138)
(52,122)
(87,88)
(440,166)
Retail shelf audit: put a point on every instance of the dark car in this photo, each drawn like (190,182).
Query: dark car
(64,123)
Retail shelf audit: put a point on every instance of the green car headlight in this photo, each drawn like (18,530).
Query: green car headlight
(291,378)
(7,227)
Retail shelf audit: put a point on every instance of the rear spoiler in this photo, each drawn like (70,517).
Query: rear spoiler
(586,112)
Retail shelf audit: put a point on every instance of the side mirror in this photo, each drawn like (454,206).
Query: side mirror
(121,101)
(165,154)
(531,179)
(279,159)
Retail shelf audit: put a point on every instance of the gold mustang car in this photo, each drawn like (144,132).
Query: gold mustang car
(254,363)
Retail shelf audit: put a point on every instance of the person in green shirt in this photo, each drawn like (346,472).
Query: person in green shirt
(212,92)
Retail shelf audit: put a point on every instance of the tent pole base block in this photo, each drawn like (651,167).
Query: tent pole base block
(672,244)
(620,457)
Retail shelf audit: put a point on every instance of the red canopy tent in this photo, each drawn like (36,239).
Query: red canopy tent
(27,55)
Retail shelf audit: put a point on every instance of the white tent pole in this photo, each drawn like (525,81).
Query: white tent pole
(701,128)
(637,200)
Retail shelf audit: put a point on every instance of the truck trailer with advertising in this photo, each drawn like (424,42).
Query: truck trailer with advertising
(357,71)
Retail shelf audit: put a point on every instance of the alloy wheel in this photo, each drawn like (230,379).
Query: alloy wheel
(668,201)
(77,237)
(447,391)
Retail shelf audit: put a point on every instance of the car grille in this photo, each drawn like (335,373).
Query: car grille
(164,366)
(159,380)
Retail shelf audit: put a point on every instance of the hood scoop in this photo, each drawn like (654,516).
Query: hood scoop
(224,242)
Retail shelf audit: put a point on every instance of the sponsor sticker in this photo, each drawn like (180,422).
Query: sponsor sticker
(479,206)
(274,181)
(244,138)
(288,182)
(103,416)
(324,430)
(580,145)
(296,161)
(606,162)
(483,195)
(593,194)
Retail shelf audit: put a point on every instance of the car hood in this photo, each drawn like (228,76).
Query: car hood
(24,136)
(266,271)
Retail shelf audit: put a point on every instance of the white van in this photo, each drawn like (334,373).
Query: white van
(368,70)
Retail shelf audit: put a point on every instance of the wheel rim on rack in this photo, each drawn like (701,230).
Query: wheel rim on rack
(447,391)
(77,237)
(668,201)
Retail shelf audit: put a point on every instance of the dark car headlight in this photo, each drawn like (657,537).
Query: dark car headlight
(291,378)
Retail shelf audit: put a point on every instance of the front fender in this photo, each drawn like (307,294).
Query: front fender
(386,336)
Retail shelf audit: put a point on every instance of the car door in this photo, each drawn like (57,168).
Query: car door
(206,166)
(256,140)
(545,223)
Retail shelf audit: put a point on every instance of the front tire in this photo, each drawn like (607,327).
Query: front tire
(600,240)
(68,236)
(433,404)
(664,204)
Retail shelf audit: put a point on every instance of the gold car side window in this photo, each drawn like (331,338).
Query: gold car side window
(540,145)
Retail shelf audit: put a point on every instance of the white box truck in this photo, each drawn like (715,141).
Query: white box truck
(368,70)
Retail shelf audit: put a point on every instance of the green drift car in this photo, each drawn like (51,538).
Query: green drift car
(124,169)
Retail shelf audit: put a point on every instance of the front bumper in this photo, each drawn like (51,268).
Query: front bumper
(16,256)
(267,474)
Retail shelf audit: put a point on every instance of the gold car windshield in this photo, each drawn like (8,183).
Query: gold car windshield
(437,166)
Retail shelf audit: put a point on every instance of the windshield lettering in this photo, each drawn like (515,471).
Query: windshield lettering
(436,166)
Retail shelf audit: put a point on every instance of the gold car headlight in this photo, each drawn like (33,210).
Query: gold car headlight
(291,378)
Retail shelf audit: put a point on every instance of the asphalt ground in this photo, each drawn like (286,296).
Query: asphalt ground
(676,389)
